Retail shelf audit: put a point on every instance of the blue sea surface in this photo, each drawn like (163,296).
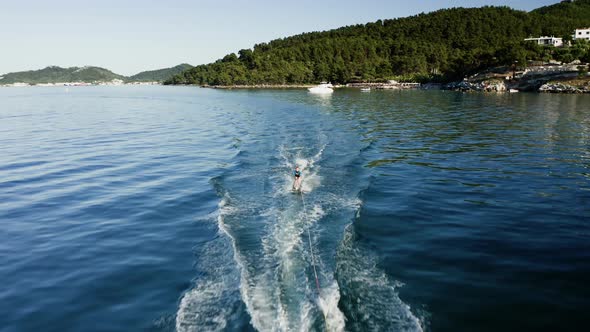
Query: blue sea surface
(170,209)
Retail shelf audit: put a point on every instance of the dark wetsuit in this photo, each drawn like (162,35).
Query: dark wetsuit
(297,174)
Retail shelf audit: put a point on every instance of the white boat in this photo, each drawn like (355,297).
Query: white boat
(322,88)
(513,90)
(365,89)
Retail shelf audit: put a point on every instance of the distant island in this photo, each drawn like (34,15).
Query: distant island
(53,75)
(444,46)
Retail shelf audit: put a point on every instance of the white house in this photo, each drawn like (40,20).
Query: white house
(582,34)
(555,41)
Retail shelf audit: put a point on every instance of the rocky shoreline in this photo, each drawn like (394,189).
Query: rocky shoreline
(570,78)
(555,78)
(563,88)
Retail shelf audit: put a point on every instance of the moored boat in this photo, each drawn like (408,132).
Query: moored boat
(322,88)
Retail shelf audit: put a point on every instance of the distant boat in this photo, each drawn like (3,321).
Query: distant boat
(365,89)
(513,90)
(322,88)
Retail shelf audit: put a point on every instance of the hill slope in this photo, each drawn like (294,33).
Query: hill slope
(445,45)
(89,74)
(159,75)
(55,74)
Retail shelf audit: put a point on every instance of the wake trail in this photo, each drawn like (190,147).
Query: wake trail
(369,296)
(275,258)
(214,303)
(326,292)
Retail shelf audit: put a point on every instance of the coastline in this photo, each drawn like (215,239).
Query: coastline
(566,78)
(259,86)
(551,78)
(557,78)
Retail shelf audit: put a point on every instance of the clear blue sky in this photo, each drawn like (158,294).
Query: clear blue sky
(128,36)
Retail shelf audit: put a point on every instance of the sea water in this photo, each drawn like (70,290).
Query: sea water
(170,208)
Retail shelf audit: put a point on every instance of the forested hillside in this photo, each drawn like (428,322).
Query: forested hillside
(158,75)
(88,74)
(443,45)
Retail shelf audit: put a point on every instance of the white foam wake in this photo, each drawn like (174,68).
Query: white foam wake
(212,302)
(257,287)
(369,295)
(289,235)
(275,282)
(328,303)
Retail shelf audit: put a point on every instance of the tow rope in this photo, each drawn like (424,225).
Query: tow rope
(313,260)
(315,272)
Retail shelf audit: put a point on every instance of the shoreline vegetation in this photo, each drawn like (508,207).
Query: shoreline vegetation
(547,78)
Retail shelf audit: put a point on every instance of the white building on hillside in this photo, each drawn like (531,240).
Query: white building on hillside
(582,34)
(554,41)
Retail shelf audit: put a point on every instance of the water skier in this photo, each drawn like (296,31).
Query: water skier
(297,182)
